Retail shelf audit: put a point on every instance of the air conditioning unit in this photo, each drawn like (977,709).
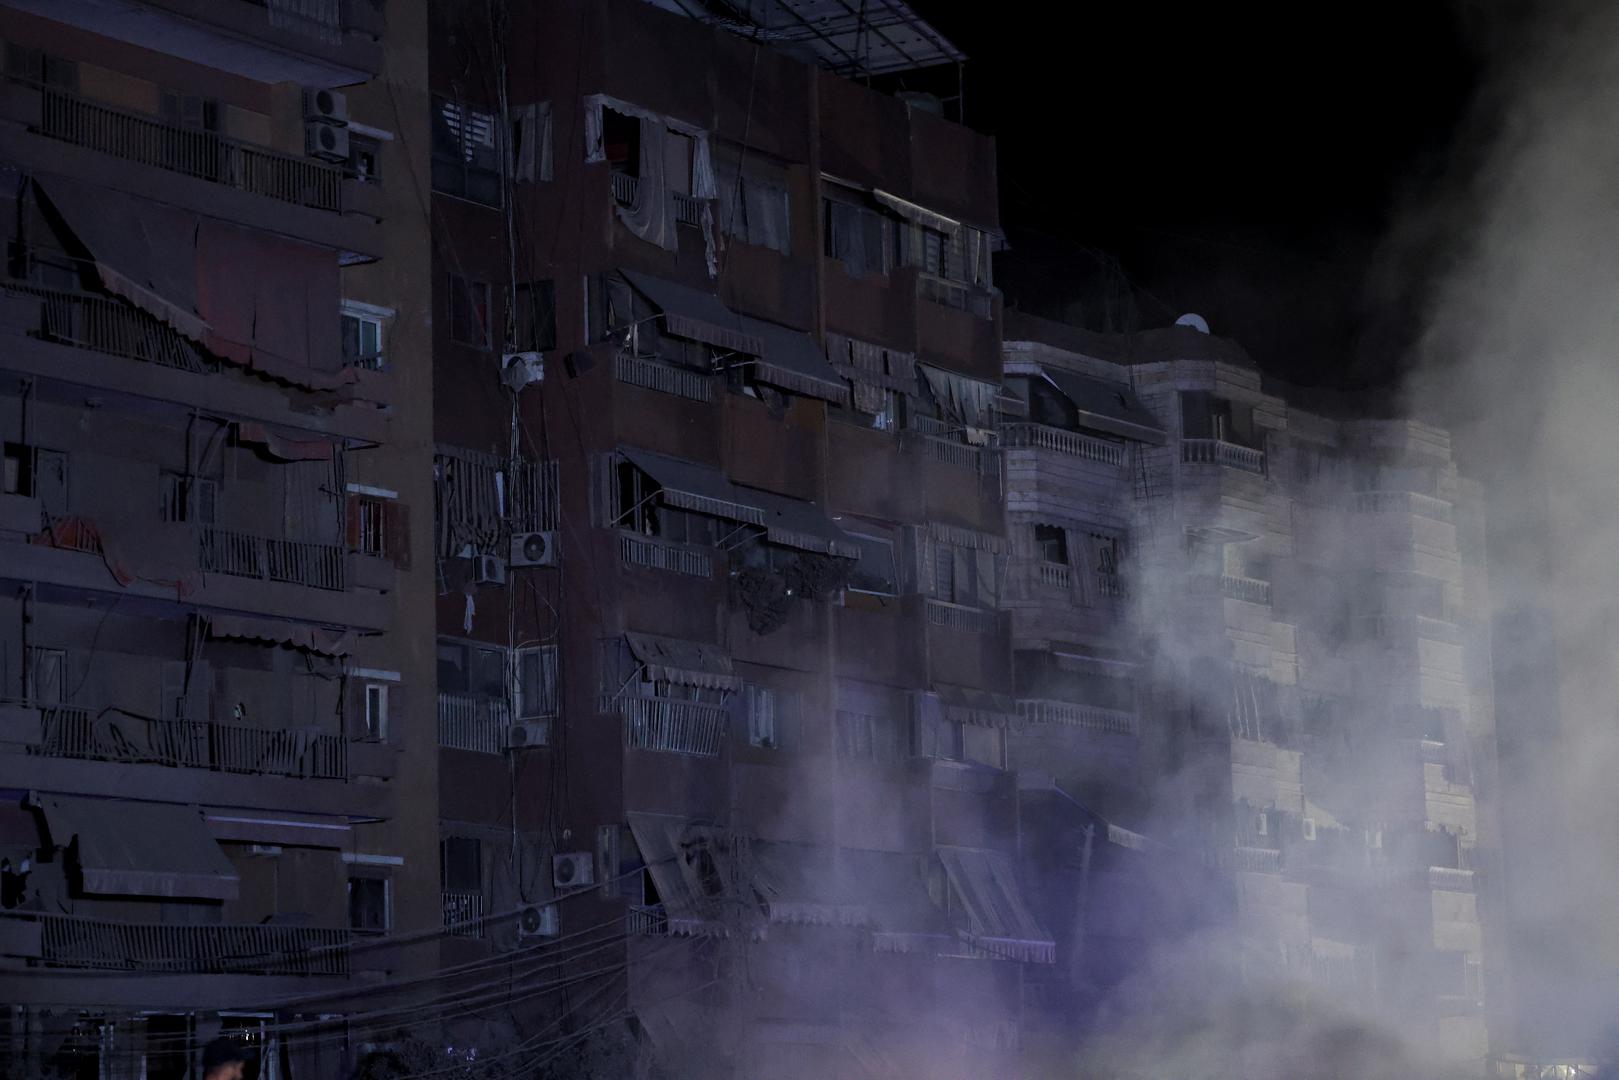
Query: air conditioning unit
(527,734)
(534,549)
(488,570)
(537,922)
(519,369)
(325,141)
(573,870)
(326,106)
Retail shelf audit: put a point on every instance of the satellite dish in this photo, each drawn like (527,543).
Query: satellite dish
(1195,321)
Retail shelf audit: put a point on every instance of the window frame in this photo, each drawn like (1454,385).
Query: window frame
(386,883)
(374,710)
(474,851)
(893,563)
(455,161)
(547,671)
(465,290)
(764,727)
(364,315)
(371,523)
(535,317)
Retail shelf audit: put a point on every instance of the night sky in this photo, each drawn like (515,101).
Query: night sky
(1244,161)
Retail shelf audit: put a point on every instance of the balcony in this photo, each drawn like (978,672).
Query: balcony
(1109,586)
(75,942)
(665,378)
(1449,879)
(1091,718)
(688,210)
(626,188)
(68,732)
(970,620)
(106,325)
(1405,502)
(463,913)
(950,451)
(954,294)
(655,554)
(1219,452)
(1059,441)
(296,562)
(670,725)
(1050,575)
(468,722)
(202,155)
(646,920)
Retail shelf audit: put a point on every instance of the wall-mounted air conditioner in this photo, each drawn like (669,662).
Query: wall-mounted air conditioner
(534,549)
(573,870)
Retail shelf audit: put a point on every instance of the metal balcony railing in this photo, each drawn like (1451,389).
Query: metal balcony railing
(1072,443)
(1220,452)
(954,294)
(961,617)
(625,188)
(75,942)
(197,744)
(108,325)
(469,722)
(670,725)
(1450,879)
(1085,717)
(204,155)
(1249,590)
(463,913)
(665,378)
(688,210)
(646,920)
(297,562)
(1405,502)
(655,554)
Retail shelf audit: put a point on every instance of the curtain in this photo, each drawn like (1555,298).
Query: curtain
(530,145)
(650,218)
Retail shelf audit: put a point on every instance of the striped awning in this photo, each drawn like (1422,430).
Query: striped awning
(128,848)
(674,861)
(685,663)
(1001,925)
(798,524)
(689,486)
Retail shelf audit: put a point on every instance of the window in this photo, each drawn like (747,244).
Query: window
(47,670)
(36,473)
(874,571)
(621,142)
(864,736)
(1051,541)
(760,702)
(465,158)
(41,68)
(754,206)
(1205,416)
(461,864)
(1106,549)
(536,688)
(469,311)
(856,237)
(370,525)
(464,668)
(188,110)
(370,903)
(363,335)
(965,575)
(536,316)
(365,159)
(376,711)
(189,498)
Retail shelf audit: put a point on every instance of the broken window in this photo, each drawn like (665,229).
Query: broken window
(621,141)
(874,571)
(855,236)
(461,864)
(189,498)
(465,157)
(46,676)
(469,311)
(370,905)
(35,473)
(362,336)
(754,205)
(536,682)
(536,316)
(1051,541)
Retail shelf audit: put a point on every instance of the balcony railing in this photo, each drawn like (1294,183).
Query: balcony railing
(665,378)
(670,725)
(625,188)
(954,294)
(71,941)
(1085,717)
(298,562)
(1450,879)
(950,452)
(468,722)
(646,920)
(1405,502)
(1109,586)
(1249,590)
(961,617)
(204,155)
(463,914)
(197,744)
(1220,452)
(1054,575)
(1254,860)
(634,550)
(688,210)
(1043,437)
(108,325)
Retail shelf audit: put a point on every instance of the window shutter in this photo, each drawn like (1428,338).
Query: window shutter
(395,532)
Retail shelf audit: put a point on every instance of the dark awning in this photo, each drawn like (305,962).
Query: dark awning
(690,486)
(313,639)
(142,251)
(692,313)
(791,360)
(1107,407)
(799,524)
(799,883)
(1001,923)
(140,848)
(689,663)
(966,705)
(671,857)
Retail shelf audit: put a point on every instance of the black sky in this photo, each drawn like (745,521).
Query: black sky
(1244,161)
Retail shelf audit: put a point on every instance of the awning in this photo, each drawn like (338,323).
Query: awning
(970,402)
(689,486)
(920,215)
(894,892)
(315,639)
(791,360)
(688,663)
(142,251)
(799,883)
(966,705)
(130,848)
(281,827)
(1106,407)
(799,524)
(972,539)
(283,447)
(674,861)
(1001,923)
(692,313)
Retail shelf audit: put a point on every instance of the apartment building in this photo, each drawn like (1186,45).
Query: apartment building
(1248,628)
(213,527)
